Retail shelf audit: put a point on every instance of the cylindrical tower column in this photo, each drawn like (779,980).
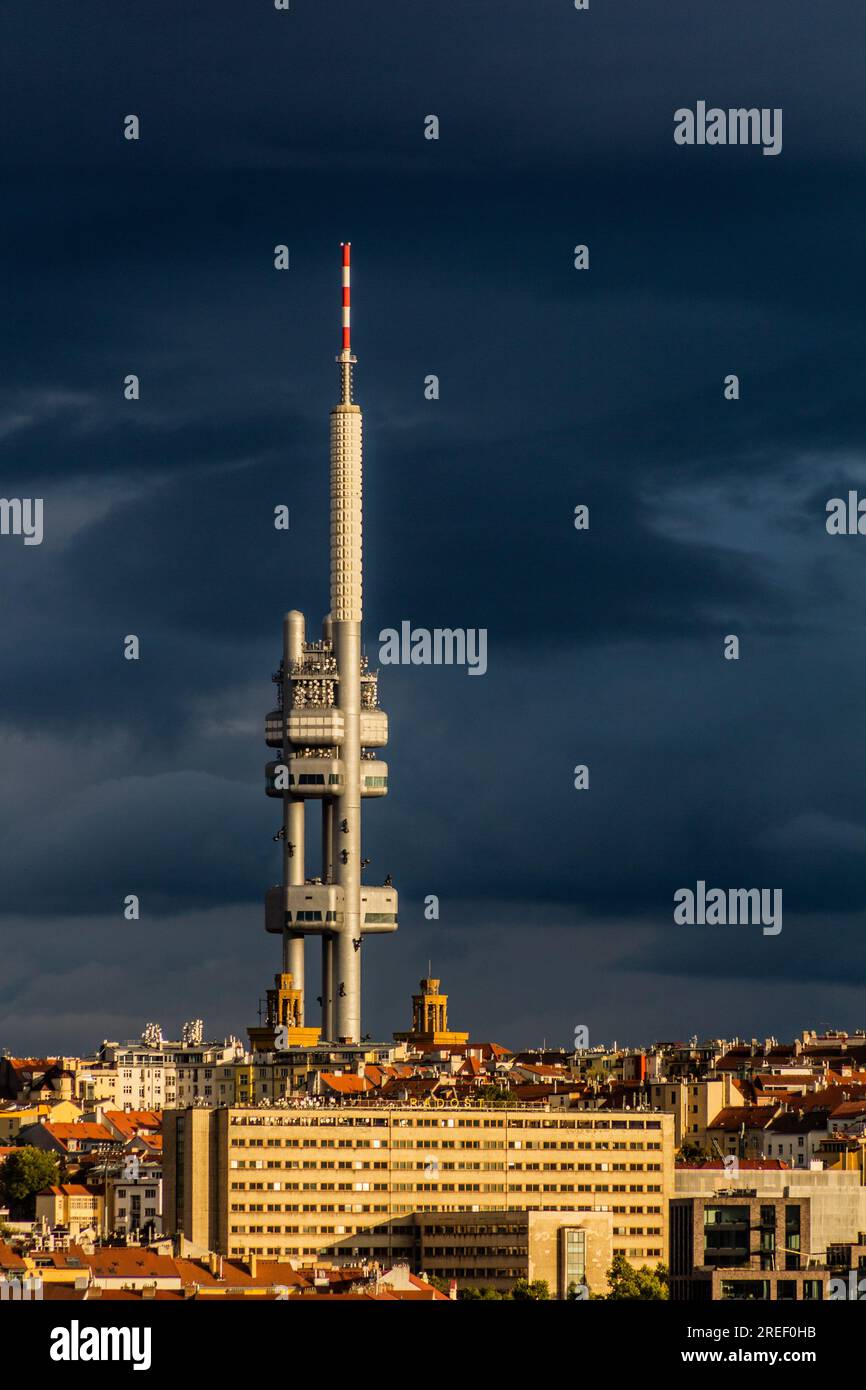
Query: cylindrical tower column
(347,838)
(293,807)
(328,840)
(346,612)
(328,1030)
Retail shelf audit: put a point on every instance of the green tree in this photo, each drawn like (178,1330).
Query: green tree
(26,1172)
(537,1290)
(440,1285)
(690,1152)
(496,1096)
(626,1282)
(484,1293)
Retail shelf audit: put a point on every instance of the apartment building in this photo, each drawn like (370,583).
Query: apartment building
(71,1208)
(351,1181)
(15,1118)
(133,1199)
(141,1076)
(165,1074)
(745,1246)
(694,1104)
(836,1198)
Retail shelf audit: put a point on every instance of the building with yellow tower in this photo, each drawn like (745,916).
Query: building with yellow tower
(430,1020)
(283,1026)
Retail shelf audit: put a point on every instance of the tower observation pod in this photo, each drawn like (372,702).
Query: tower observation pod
(327,729)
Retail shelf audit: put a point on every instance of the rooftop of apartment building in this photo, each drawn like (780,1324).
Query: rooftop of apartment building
(136,1272)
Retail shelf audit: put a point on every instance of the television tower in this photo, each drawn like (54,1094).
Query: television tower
(326,727)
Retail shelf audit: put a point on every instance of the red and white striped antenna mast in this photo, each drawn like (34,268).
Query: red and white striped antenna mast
(347,296)
(346,359)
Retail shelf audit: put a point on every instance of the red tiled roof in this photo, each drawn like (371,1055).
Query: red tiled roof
(348,1085)
(79,1130)
(128,1121)
(8,1257)
(71,1259)
(412,1085)
(137,1295)
(198,1272)
(538,1070)
(540,1090)
(732,1116)
(130,1262)
(791,1122)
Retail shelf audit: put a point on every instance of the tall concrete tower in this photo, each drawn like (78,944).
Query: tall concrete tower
(327,727)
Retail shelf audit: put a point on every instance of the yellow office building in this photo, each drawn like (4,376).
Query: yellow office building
(304,1182)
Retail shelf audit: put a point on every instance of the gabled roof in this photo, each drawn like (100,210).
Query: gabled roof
(72,1258)
(130,1262)
(752,1116)
(347,1085)
(539,1091)
(8,1258)
(127,1122)
(152,1143)
(70,1189)
(418,1086)
(848,1109)
(537,1070)
(797,1122)
(79,1130)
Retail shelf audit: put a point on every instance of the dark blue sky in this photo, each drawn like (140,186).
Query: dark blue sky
(557,387)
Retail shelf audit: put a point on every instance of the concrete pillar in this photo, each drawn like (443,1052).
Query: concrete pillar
(328,1033)
(327,840)
(346,612)
(347,838)
(293,808)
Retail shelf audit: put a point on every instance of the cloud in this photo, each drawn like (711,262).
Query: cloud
(558,387)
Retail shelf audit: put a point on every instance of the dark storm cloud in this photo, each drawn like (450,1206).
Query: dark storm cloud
(557,387)
(333,81)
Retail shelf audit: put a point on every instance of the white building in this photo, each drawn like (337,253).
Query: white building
(133,1198)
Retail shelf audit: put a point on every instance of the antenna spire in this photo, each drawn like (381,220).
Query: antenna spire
(347,296)
(346,360)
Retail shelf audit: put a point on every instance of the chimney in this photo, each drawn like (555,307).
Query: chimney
(252,1264)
